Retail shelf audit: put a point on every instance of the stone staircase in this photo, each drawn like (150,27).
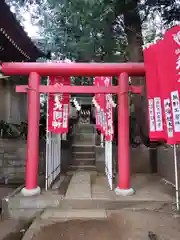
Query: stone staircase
(83,147)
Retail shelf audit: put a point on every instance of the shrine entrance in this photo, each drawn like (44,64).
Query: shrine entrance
(85,114)
(36,70)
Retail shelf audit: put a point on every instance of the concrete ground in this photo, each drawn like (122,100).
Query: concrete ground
(123,224)
(4,191)
(79,216)
(12,229)
(90,186)
(147,187)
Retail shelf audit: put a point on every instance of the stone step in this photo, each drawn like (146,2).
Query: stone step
(83,142)
(83,155)
(112,204)
(84,134)
(85,128)
(62,214)
(84,138)
(83,162)
(83,147)
(82,167)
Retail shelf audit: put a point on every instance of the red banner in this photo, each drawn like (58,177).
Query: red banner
(102,107)
(58,108)
(104,114)
(163,74)
(98,110)
(100,118)
(172,43)
(156,130)
(109,112)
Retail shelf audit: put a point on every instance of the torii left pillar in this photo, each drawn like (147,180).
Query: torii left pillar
(31,188)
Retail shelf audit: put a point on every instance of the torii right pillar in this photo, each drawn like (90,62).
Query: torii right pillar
(123,187)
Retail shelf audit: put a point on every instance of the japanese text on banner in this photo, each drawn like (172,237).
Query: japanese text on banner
(58,111)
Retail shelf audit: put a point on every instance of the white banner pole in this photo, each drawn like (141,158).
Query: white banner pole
(102,140)
(176,178)
(47,140)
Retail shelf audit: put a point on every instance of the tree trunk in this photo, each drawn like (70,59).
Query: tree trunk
(132,23)
(109,43)
(133,31)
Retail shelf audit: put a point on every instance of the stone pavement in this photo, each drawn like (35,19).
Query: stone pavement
(89,197)
(87,185)
(68,214)
(79,186)
(12,229)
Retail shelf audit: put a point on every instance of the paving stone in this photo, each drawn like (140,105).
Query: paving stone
(74,213)
(79,186)
(9,227)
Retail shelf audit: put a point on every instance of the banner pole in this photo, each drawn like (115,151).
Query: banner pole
(47,139)
(102,140)
(176,177)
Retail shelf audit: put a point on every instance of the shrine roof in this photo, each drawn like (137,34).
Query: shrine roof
(15,45)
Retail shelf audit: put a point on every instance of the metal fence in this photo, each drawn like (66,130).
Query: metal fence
(109,163)
(53,158)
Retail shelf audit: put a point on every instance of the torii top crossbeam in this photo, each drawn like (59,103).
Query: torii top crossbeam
(74,69)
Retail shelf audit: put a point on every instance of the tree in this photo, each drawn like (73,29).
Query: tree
(104,30)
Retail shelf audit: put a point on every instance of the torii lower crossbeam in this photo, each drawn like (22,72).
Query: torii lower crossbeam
(35,70)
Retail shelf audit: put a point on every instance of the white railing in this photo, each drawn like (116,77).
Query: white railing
(53,153)
(108,163)
(53,158)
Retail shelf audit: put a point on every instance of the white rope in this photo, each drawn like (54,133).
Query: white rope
(112,102)
(97,105)
(76,104)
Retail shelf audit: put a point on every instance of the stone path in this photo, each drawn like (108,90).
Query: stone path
(80,186)
(12,229)
(68,214)
(83,212)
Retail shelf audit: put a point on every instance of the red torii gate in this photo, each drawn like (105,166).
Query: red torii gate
(36,70)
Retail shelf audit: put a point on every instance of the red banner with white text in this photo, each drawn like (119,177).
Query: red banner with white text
(109,134)
(58,107)
(102,107)
(104,114)
(162,65)
(172,43)
(155,114)
(165,85)
(97,110)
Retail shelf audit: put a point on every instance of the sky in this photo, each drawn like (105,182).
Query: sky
(31,30)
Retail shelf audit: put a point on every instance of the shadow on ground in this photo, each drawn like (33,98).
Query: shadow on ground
(120,225)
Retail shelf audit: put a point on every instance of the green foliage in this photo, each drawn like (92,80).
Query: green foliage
(84,30)
(5,129)
(95,31)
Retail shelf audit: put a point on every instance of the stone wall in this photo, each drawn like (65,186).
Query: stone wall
(13,160)
(13,106)
(139,159)
(166,163)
